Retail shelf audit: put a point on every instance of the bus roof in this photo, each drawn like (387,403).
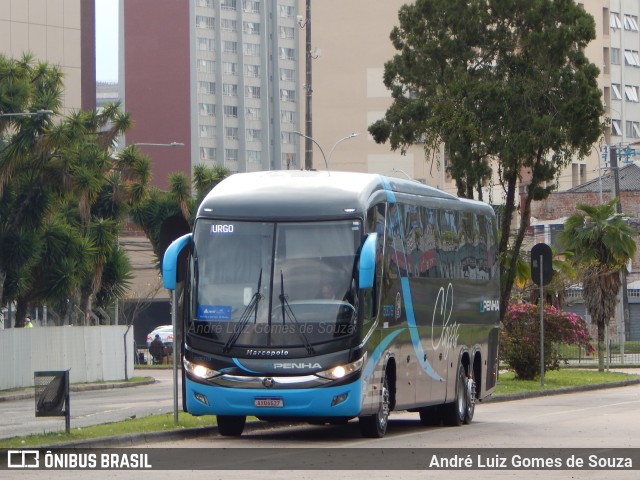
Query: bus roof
(305,194)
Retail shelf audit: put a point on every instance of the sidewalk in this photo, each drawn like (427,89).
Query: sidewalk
(28,392)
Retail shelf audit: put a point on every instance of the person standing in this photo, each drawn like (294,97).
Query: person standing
(156,349)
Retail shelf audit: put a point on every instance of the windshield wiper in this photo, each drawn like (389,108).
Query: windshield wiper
(252,307)
(287,313)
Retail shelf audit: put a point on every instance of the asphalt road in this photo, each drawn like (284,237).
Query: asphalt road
(600,419)
(17,417)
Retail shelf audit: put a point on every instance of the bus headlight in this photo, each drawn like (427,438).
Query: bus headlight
(341,371)
(199,370)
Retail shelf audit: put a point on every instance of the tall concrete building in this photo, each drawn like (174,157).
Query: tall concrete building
(60,32)
(219,76)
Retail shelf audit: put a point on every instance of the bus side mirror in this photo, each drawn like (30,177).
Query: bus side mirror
(368,261)
(170,261)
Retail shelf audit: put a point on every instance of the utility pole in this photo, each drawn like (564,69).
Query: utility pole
(308,145)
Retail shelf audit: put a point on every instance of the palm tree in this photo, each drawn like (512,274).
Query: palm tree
(602,243)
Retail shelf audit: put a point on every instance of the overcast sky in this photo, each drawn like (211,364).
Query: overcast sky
(107,40)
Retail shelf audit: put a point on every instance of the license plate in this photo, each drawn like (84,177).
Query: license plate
(268,402)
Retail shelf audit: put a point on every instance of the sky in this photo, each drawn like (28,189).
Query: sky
(107,40)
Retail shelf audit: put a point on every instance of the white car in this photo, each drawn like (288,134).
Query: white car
(165,332)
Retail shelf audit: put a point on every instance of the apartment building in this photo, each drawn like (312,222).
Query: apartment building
(219,76)
(60,32)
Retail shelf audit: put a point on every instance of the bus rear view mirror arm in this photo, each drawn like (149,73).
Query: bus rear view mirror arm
(170,261)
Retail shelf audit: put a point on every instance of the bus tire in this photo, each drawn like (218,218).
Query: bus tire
(471,400)
(375,426)
(231,425)
(454,413)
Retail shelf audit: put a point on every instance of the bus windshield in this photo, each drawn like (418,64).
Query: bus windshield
(262,284)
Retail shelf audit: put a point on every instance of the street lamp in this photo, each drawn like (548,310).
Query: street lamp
(326,160)
(172,144)
(37,113)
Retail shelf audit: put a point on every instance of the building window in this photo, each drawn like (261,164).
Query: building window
(615,127)
(253,71)
(229,47)
(287,116)
(633,129)
(206,66)
(227,25)
(252,113)
(251,6)
(287,95)
(289,138)
(206,44)
(287,53)
(252,92)
(230,155)
(254,156)
(207,109)
(615,88)
(289,160)
(231,133)
(287,11)
(631,23)
(614,20)
(253,134)
(252,49)
(229,90)
(229,68)
(615,56)
(251,28)
(287,32)
(205,3)
(204,22)
(207,153)
(287,74)
(228,4)
(207,131)
(631,58)
(631,93)
(231,111)
(207,87)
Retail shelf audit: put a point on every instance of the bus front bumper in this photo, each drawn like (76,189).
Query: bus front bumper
(340,401)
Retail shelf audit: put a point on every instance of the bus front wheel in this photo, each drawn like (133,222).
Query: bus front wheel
(231,425)
(375,426)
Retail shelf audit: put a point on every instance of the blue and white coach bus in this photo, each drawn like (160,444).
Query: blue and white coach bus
(328,296)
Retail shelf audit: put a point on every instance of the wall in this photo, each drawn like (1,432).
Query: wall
(92,354)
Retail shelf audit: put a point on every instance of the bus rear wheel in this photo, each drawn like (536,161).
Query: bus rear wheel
(459,412)
(231,425)
(375,426)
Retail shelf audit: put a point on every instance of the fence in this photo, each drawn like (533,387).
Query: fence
(91,354)
(616,354)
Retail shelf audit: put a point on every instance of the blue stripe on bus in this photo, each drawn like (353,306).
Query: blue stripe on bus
(377,353)
(237,362)
(406,295)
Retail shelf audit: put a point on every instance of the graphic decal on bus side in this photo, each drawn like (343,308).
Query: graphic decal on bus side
(406,295)
(449,333)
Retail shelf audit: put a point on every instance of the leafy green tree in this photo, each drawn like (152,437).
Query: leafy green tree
(63,196)
(602,243)
(165,212)
(495,80)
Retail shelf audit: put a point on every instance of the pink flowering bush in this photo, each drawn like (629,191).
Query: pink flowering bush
(520,338)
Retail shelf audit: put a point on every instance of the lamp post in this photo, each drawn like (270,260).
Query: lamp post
(326,159)
(37,113)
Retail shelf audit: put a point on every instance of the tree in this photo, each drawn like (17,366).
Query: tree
(495,80)
(63,197)
(602,243)
(164,213)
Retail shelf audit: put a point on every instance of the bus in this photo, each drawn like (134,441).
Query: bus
(330,296)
